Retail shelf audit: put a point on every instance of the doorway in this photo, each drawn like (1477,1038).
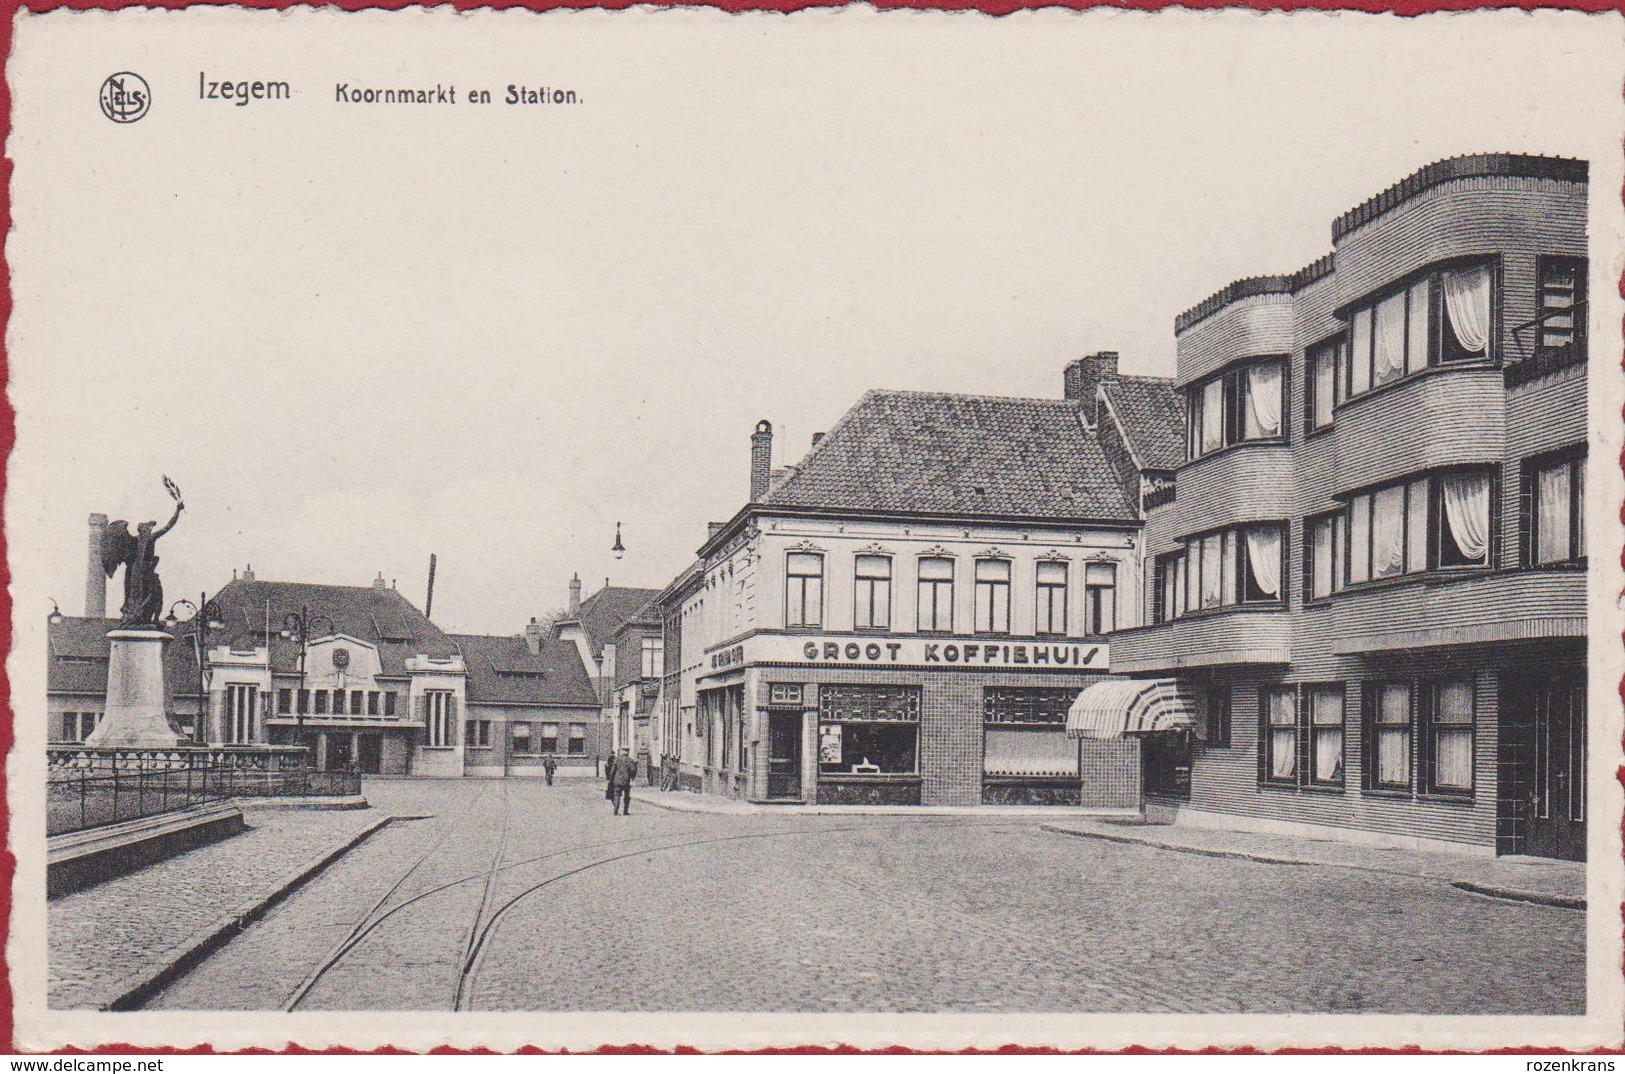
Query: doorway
(338,751)
(370,753)
(1545,723)
(784,756)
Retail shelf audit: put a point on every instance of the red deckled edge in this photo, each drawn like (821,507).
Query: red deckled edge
(9,9)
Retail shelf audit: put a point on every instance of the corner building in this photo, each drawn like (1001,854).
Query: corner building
(906,616)
(1372,562)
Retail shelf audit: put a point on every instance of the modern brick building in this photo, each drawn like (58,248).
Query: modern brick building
(1372,564)
(906,615)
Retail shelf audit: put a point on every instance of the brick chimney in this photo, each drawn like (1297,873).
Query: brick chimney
(575,593)
(533,636)
(95,577)
(1084,375)
(248,573)
(761,460)
(378,582)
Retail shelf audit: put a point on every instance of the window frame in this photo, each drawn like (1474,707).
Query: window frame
(1337,521)
(938,586)
(802,621)
(1312,731)
(1267,729)
(1432,527)
(1429,728)
(1373,727)
(1233,564)
(1332,348)
(1574,460)
(1436,342)
(1095,594)
(997,592)
(870,602)
(1232,402)
(1575,351)
(1045,595)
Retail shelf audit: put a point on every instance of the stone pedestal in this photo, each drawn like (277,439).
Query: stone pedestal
(135,717)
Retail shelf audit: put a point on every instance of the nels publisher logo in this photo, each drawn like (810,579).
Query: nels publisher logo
(125,97)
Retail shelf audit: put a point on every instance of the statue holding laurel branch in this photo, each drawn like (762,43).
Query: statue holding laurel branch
(137,553)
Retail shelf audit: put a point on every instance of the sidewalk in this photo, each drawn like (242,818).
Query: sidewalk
(1538,880)
(110,942)
(689,802)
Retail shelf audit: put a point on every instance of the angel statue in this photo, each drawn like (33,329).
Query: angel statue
(138,553)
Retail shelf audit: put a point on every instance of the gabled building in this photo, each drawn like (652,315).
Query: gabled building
(528,698)
(607,630)
(76,679)
(1372,563)
(906,615)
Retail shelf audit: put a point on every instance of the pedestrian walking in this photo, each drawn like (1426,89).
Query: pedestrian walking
(622,771)
(549,766)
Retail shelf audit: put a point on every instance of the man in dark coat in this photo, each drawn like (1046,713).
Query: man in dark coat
(622,770)
(549,766)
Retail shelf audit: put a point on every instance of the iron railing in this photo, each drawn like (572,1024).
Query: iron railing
(82,798)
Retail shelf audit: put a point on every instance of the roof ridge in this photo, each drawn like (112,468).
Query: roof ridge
(979,396)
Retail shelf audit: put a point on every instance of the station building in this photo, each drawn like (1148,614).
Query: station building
(907,614)
(1372,563)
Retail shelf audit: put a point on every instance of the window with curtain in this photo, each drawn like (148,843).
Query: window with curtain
(1050,602)
(1100,597)
(1248,402)
(936,594)
(1230,567)
(1554,509)
(1024,731)
(1260,551)
(1324,566)
(1450,736)
(803,589)
(1324,384)
(1388,528)
(1279,742)
(578,739)
(549,742)
(1464,532)
(1325,719)
(992,596)
(1444,315)
(1561,304)
(1170,604)
(871,602)
(1388,735)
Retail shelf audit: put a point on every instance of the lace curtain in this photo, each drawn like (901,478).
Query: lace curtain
(1552,515)
(1264,560)
(1467,508)
(1467,297)
(1264,401)
(1390,357)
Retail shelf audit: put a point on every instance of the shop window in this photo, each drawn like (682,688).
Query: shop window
(1448,716)
(992,596)
(803,589)
(1100,597)
(1050,617)
(1241,405)
(550,738)
(1218,716)
(1554,510)
(1279,742)
(578,739)
(1324,555)
(1441,317)
(1324,385)
(520,733)
(868,730)
(284,700)
(1561,331)
(871,601)
(477,734)
(1024,731)
(936,594)
(1388,736)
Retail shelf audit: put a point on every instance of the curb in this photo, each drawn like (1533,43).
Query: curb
(1203,852)
(1536,898)
(131,993)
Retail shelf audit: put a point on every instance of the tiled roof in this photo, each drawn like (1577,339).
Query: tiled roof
(1152,411)
(939,453)
(604,613)
(368,613)
(503,670)
(78,658)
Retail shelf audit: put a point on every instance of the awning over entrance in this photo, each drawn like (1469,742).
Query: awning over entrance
(1131,707)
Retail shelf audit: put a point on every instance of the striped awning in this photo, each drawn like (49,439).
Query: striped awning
(1131,707)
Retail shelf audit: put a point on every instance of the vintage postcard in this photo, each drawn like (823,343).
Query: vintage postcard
(577,528)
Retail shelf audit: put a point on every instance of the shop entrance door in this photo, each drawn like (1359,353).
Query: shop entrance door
(1557,816)
(370,753)
(784,756)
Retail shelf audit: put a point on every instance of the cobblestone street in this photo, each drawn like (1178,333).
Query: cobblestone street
(686,911)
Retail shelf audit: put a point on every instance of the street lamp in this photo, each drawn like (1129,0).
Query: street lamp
(298,626)
(56,615)
(209,619)
(618,548)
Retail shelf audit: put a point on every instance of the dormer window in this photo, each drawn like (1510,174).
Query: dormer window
(1244,404)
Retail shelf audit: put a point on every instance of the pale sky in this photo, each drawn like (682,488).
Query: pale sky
(358,335)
